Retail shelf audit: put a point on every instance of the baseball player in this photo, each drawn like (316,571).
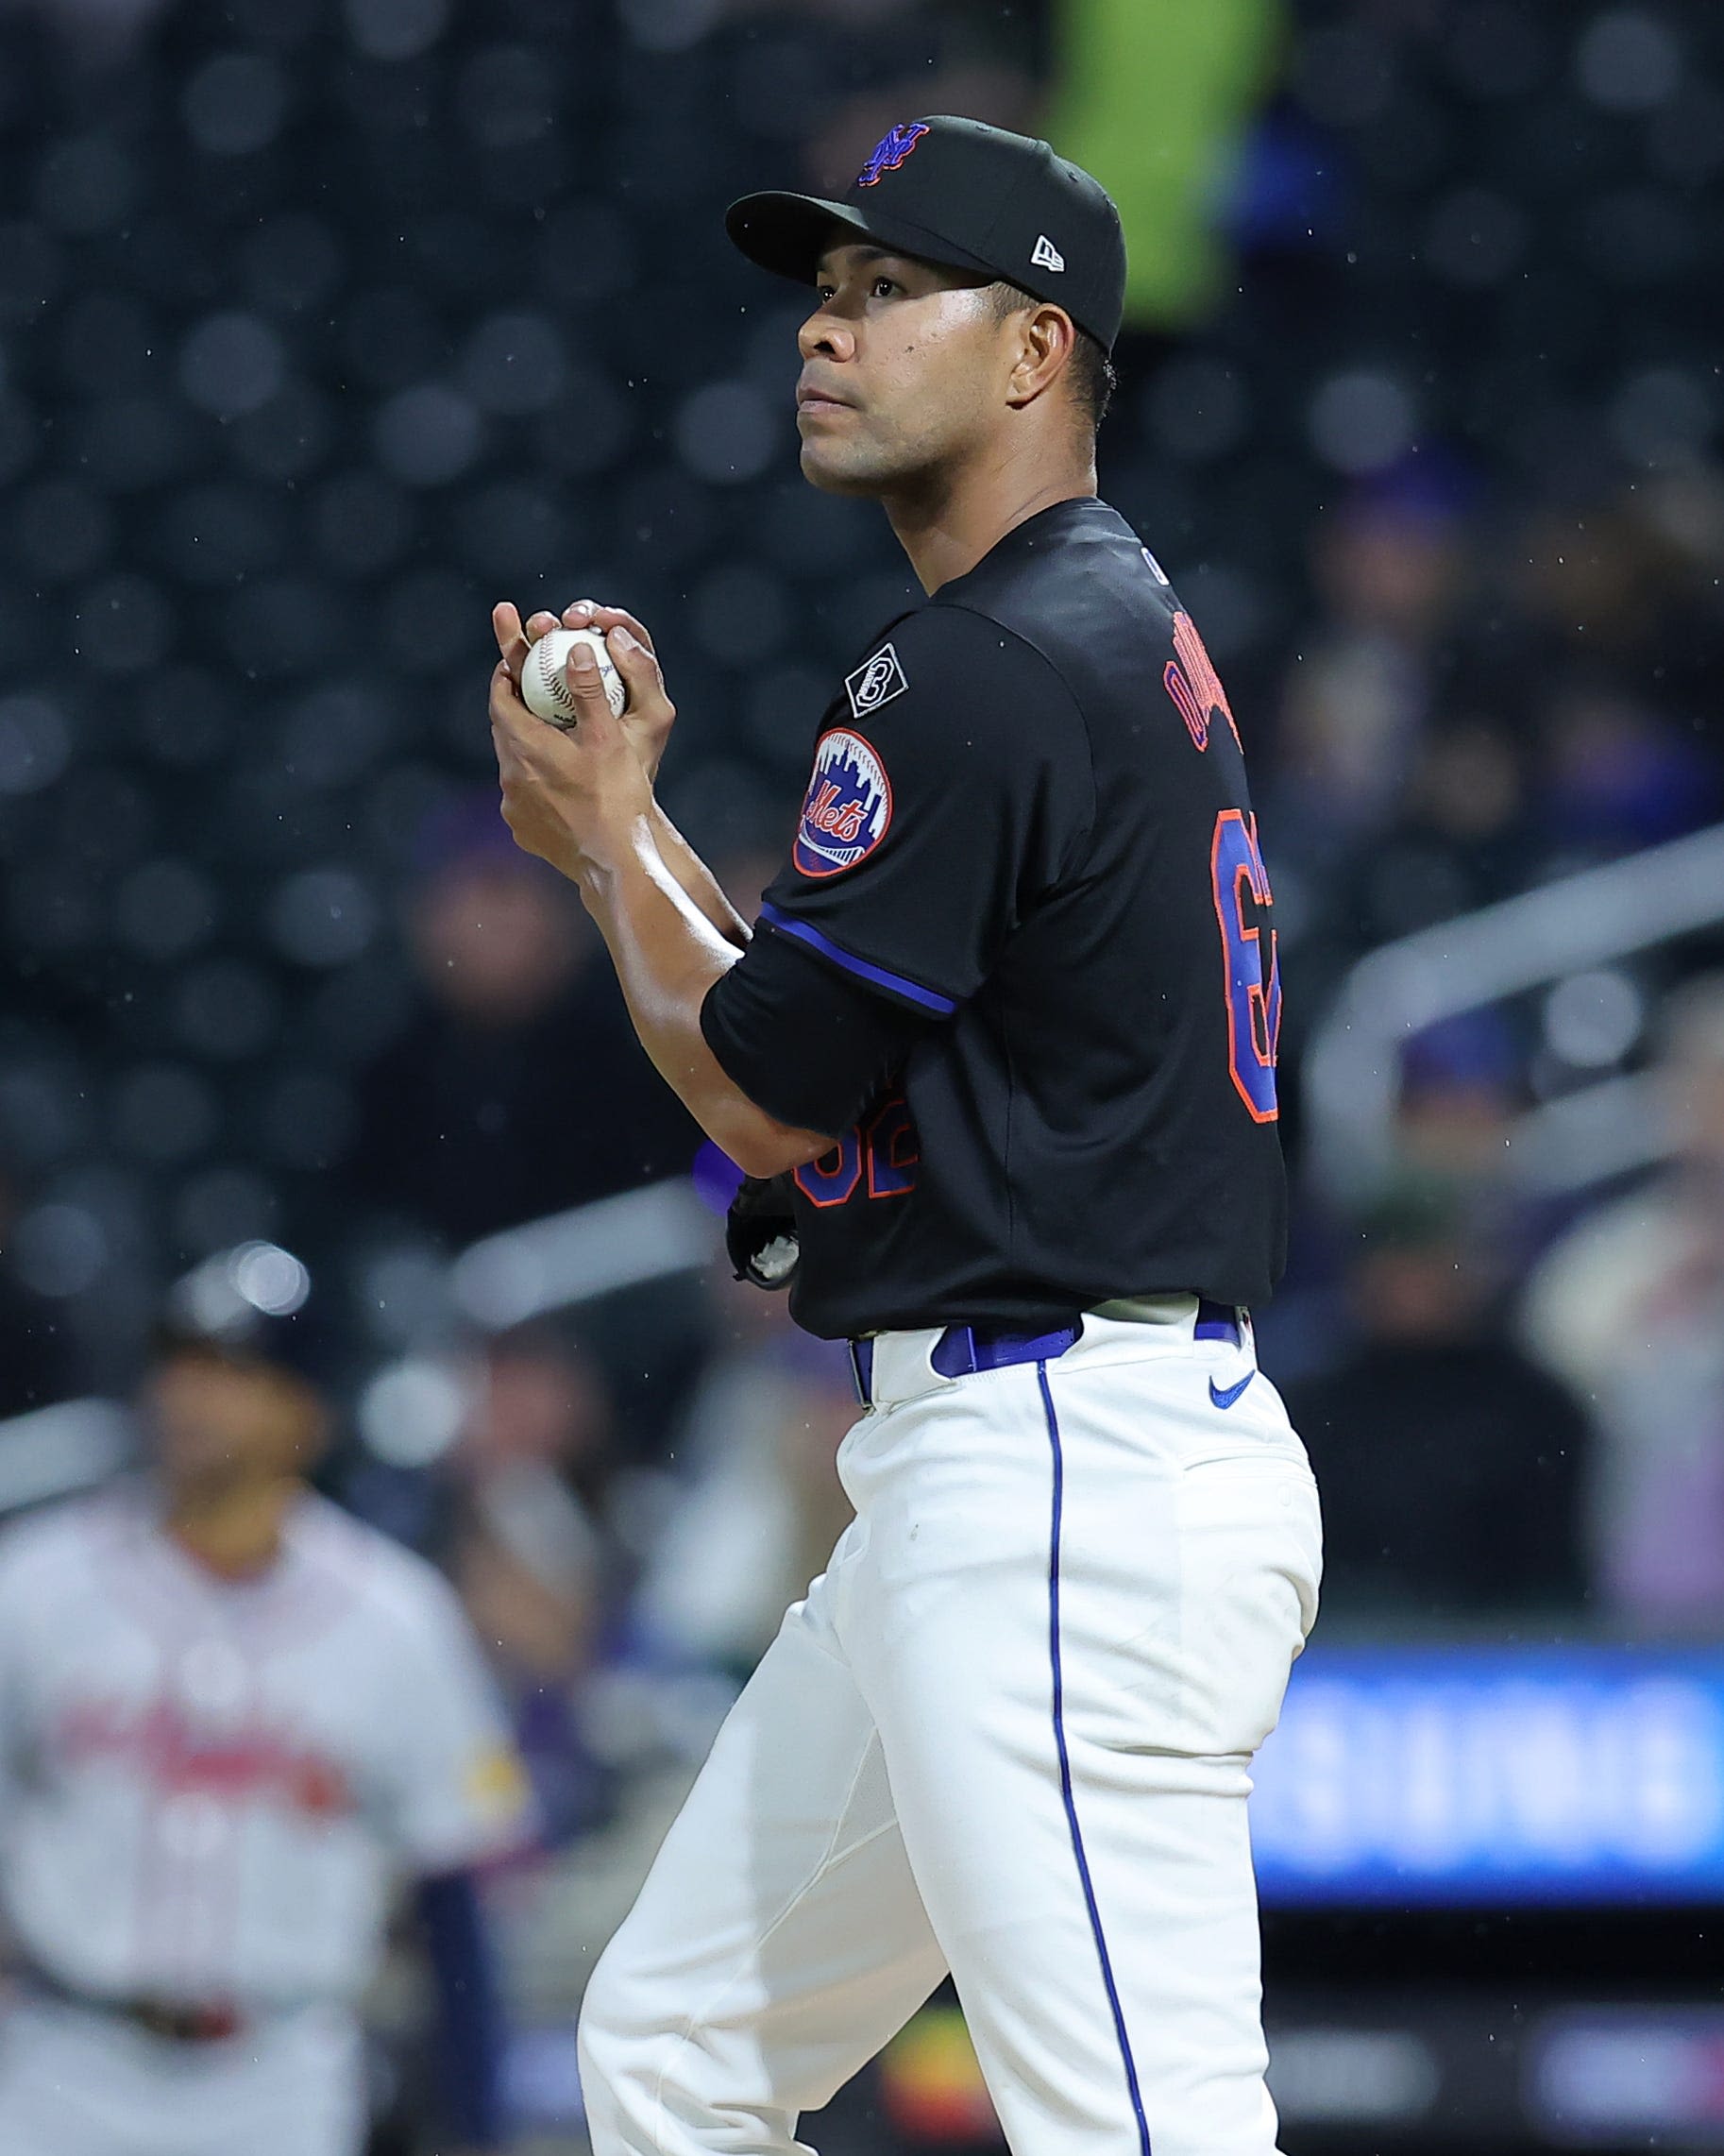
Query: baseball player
(1008,1031)
(231,1718)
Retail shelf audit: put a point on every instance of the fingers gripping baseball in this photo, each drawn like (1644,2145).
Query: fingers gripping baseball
(589,614)
(567,794)
(516,638)
(536,654)
(649,713)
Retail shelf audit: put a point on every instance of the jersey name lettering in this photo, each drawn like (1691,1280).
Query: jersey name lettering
(249,1760)
(1192,681)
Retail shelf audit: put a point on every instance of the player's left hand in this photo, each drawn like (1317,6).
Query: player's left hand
(760,1232)
(574,796)
(651,713)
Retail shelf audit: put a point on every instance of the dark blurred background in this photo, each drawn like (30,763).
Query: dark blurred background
(323,326)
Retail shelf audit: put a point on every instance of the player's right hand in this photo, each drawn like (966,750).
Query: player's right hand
(649,716)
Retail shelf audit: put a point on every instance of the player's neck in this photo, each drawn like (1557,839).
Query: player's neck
(949,519)
(236,1532)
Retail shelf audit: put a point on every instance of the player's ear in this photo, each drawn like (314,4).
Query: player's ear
(1046,343)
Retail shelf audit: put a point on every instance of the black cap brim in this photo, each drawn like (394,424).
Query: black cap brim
(788,233)
(277,1346)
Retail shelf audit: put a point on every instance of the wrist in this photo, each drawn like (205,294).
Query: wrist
(611,849)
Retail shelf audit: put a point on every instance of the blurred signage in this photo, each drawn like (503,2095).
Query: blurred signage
(931,2088)
(1348,2076)
(931,2085)
(1428,1775)
(1604,2074)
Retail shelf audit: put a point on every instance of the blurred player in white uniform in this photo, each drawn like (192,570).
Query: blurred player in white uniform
(232,1721)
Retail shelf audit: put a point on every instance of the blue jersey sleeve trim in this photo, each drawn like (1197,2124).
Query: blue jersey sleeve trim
(878,977)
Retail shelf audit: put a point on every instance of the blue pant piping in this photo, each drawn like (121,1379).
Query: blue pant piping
(1065,1768)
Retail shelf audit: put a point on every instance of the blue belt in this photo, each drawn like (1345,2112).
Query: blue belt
(963,1349)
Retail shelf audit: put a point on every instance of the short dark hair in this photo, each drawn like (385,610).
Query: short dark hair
(1093,380)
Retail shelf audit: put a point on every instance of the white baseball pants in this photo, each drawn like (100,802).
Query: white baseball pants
(79,2083)
(1006,1735)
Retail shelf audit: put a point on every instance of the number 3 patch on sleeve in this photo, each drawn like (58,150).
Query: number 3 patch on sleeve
(875,682)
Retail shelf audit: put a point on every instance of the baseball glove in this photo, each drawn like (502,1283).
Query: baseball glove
(760,1232)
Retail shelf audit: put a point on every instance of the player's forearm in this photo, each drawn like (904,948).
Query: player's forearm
(697,880)
(469,2006)
(668,954)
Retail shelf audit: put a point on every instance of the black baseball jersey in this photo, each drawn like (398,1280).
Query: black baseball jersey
(1021,962)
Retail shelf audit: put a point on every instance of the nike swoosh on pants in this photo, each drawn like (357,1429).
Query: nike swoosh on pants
(1231,1394)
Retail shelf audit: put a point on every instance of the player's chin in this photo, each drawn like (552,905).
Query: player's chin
(837,467)
(196,1461)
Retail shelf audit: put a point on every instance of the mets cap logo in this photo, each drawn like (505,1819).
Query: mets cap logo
(847,808)
(891,151)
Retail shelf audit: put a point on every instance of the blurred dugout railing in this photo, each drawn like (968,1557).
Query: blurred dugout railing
(53,1451)
(571,1257)
(1561,929)
(410,1409)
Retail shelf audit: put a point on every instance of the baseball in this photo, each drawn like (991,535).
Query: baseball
(545,678)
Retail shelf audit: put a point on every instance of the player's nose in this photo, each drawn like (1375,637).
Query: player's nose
(824,337)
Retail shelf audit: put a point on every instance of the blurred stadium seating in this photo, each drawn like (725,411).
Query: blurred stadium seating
(322,326)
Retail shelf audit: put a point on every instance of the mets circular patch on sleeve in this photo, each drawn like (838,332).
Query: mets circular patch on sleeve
(847,808)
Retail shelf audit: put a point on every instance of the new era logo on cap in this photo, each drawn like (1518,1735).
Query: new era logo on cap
(1045,255)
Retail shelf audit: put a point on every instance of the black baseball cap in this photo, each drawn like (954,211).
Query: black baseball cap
(248,1306)
(969,197)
